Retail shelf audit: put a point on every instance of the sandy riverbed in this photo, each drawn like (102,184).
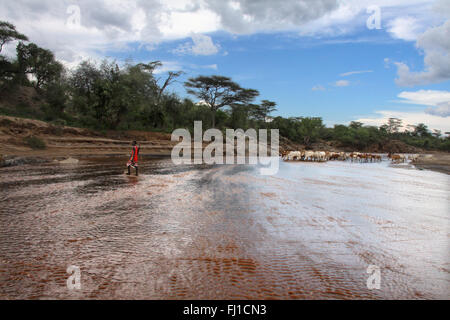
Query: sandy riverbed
(223,232)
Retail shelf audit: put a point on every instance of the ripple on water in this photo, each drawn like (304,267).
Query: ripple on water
(215,232)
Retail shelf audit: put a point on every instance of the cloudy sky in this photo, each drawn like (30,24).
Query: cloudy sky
(343,60)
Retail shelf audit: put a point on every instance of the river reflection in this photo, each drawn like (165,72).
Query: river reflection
(223,232)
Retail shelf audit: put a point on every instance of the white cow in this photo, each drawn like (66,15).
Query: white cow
(294,155)
(308,155)
(322,156)
(318,156)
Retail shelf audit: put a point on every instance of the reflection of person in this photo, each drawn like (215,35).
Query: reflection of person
(133,162)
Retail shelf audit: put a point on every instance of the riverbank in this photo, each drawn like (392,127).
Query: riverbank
(62,143)
(439,162)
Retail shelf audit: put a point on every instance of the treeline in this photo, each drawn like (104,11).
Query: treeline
(108,97)
(356,136)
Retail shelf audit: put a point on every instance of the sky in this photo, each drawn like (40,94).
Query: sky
(342,60)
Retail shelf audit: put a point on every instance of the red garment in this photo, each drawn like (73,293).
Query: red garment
(134,155)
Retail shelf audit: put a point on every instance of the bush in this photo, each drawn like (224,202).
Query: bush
(56,130)
(57,127)
(59,122)
(35,143)
(445,145)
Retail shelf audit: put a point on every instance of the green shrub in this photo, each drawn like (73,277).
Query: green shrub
(57,127)
(35,143)
(445,145)
(59,122)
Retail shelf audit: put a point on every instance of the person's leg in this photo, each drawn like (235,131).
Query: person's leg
(137,171)
(129,170)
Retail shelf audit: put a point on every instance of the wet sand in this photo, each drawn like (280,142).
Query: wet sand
(439,162)
(223,232)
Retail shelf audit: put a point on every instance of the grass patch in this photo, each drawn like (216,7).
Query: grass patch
(35,143)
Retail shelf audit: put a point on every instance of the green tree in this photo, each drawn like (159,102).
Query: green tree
(437,133)
(309,129)
(393,125)
(39,62)
(421,130)
(355,124)
(261,111)
(343,134)
(9,33)
(218,92)
(239,116)
(171,78)
(116,97)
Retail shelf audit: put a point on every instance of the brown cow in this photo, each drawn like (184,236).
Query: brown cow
(396,157)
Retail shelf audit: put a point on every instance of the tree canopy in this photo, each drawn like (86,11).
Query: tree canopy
(218,92)
(9,33)
(38,62)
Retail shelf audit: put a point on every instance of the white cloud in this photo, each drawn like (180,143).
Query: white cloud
(346,74)
(405,28)
(169,66)
(201,45)
(435,43)
(211,66)
(111,25)
(318,88)
(178,66)
(179,24)
(441,110)
(247,16)
(352,14)
(408,117)
(435,116)
(206,66)
(438,101)
(442,7)
(342,83)
(425,97)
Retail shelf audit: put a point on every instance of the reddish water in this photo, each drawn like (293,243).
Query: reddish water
(223,232)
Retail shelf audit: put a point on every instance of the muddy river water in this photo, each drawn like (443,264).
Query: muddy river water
(223,232)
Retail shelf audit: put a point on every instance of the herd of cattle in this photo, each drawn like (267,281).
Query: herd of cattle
(322,156)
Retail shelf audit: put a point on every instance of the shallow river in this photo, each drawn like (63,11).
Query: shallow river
(223,232)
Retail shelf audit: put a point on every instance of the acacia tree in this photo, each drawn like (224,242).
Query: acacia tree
(355,124)
(261,111)
(393,125)
(171,78)
(39,62)
(421,130)
(9,33)
(218,92)
(437,133)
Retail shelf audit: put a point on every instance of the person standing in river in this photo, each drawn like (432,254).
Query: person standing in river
(133,162)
